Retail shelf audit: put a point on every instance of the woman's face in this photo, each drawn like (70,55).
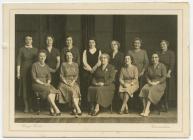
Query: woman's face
(114,46)
(92,43)
(128,60)
(28,40)
(155,59)
(69,57)
(104,59)
(42,57)
(49,41)
(69,41)
(163,46)
(137,44)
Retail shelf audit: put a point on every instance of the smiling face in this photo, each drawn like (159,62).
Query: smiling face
(155,58)
(42,57)
(114,46)
(69,41)
(69,57)
(128,60)
(104,59)
(164,46)
(28,40)
(137,44)
(92,43)
(49,41)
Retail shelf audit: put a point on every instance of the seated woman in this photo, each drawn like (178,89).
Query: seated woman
(70,92)
(41,82)
(156,84)
(102,90)
(128,82)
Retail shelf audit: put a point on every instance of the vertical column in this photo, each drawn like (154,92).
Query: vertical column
(88,29)
(119,28)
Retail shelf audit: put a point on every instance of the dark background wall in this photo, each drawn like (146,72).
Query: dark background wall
(150,28)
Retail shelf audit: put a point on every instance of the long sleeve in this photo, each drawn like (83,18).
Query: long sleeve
(146,60)
(163,73)
(135,75)
(172,61)
(111,76)
(33,71)
(19,57)
(62,55)
(121,77)
(77,56)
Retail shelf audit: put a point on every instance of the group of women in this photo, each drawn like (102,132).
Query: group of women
(102,75)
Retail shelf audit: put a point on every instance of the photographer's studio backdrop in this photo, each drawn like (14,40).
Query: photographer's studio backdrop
(124,28)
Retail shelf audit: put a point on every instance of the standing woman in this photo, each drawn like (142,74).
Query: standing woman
(156,84)
(116,60)
(91,60)
(101,92)
(26,57)
(52,59)
(167,57)
(141,61)
(41,82)
(117,57)
(70,92)
(128,82)
(69,47)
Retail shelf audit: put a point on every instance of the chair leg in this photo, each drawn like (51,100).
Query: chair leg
(38,103)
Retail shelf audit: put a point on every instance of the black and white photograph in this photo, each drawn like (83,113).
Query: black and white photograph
(97,66)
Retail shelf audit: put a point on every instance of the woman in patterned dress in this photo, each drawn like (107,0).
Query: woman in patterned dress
(41,82)
(156,84)
(70,92)
(128,82)
(26,57)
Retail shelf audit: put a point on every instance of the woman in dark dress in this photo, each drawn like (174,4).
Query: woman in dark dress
(141,61)
(91,62)
(167,57)
(41,82)
(26,57)
(116,60)
(70,92)
(102,89)
(156,84)
(128,82)
(69,47)
(52,59)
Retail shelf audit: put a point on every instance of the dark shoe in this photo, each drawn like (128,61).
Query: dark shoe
(121,112)
(95,113)
(79,114)
(126,112)
(51,113)
(58,114)
(73,113)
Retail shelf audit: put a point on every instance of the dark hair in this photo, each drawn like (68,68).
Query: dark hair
(42,51)
(132,59)
(68,52)
(50,35)
(137,38)
(155,53)
(167,42)
(117,42)
(67,36)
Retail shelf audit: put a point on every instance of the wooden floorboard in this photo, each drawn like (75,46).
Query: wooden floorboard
(103,117)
